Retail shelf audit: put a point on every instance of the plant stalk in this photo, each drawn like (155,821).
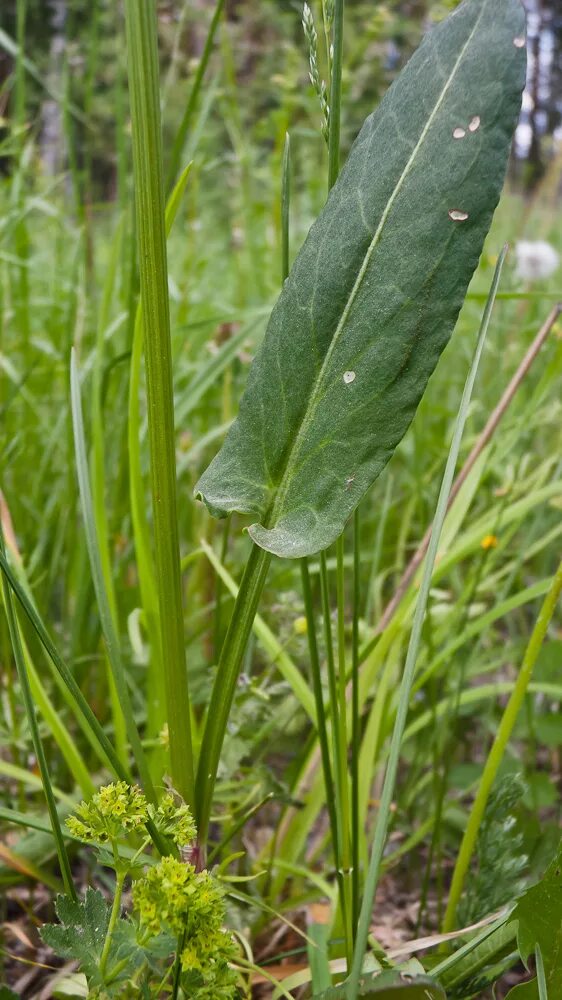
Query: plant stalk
(149,200)
(113,917)
(222,696)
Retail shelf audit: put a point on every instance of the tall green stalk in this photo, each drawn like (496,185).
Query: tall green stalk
(149,200)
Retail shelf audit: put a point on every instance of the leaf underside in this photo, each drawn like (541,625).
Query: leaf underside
(377,287)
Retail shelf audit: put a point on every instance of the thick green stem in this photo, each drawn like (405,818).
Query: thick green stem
(149,199)
(499,745)
(228,669)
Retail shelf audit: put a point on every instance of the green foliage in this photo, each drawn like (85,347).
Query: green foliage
(68,276)
(81,933)
(175,909)
(500,859)
(388,986)
(539,924)
(375,292)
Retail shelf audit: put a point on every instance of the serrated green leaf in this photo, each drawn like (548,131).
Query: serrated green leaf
(81,933)
(377,287)
(539,916)
(391,985)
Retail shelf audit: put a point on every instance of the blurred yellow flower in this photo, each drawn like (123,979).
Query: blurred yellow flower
(489,542)
(300,626)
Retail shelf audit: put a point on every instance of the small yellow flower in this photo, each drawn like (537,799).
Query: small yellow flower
(300,626)
(489,542)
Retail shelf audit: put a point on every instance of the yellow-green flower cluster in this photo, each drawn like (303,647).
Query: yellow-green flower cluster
(174,820)
(174,897)
(115,810)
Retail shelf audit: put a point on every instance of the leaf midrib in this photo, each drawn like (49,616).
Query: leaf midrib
(313,402)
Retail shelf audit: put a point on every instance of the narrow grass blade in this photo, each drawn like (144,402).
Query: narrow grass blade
(541,977)
(103,745)
(335,96)
(39,751)
(107,623)
(383,817)
(179,141)
(97,464)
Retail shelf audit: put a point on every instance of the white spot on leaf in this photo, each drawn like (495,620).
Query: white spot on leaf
(349,377)
(457,215)
(459,133)
(475,124)
(519,42)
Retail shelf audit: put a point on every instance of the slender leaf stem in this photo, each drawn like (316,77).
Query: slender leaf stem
(383,817)
(113,917)
(316,676)
(149,200)
(355,722)
(228,669)
(341,764)
(339,777)
(498,748)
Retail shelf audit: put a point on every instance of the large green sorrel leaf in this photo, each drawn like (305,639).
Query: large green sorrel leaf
(377,287)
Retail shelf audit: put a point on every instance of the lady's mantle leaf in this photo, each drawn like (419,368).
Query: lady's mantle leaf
(377,287)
